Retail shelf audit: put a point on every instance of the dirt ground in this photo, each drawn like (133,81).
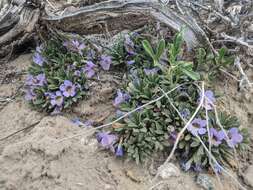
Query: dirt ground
(32,159)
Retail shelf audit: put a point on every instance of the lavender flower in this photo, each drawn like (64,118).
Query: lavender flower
(48,94)
(77,73)
(88,123)
(173,136)
(197,168)
(57,110)
(216,136)
(38,80)
(120,98)
(234,137)
(105,62)
(209,99)
(38,59)
(29,80)
(120,113)
(57,99)
(129,45)
(134,76)
(39,49)
(106,140)
(78,86)
(68,89)
(78,122)
(185,113)
(151,71)
(185,165)
(89,69)
(131,62)
(217,168)
(75,46)
(119,151)
(30,95)
(91,54)
(197,127)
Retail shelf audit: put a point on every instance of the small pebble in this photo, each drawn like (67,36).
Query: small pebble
(168,170)
(205,182)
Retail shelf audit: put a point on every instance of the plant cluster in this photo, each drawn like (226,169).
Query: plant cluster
(151,71)
(57,77)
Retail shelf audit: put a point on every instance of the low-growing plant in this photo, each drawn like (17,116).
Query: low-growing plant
(57,77)
(155,127)
(210,64)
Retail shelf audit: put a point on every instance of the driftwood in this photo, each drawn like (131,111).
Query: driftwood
(17,25)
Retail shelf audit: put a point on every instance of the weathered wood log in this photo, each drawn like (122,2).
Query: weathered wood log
(17,24)
(17,27)
(115,16)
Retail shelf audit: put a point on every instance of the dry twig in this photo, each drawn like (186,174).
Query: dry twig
(91,131)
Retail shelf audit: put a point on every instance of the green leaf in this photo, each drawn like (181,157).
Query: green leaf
(160,49)
(187,137)
(195,144)
(193,75)
(148,48)
(181,145)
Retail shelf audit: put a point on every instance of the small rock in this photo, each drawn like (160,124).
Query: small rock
(168,170)
(108,187)
(205,182)
(248,176)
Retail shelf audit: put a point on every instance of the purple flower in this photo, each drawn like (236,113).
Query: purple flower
(77,73)
(89,69)
(88,123)
(197,127)
(120,98)
(106,140)
(57,110)
(38,80)
(185,113)
(173,136)
(185,165)
(131,62)
(57,99)
(75,46)
(48,95)
(78,122)
(217,168)
(30,95)
(216,136)
(120,113)
(197,168)
(78,86)
(209,99)
(38,59)
(105,62)
(68,89)
(129,45)
(29,80)
(151,71)
(234,137)
(39,48)
(119,151)
(91,54)
(134,76)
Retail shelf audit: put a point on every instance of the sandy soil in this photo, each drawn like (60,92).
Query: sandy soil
(32,159)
